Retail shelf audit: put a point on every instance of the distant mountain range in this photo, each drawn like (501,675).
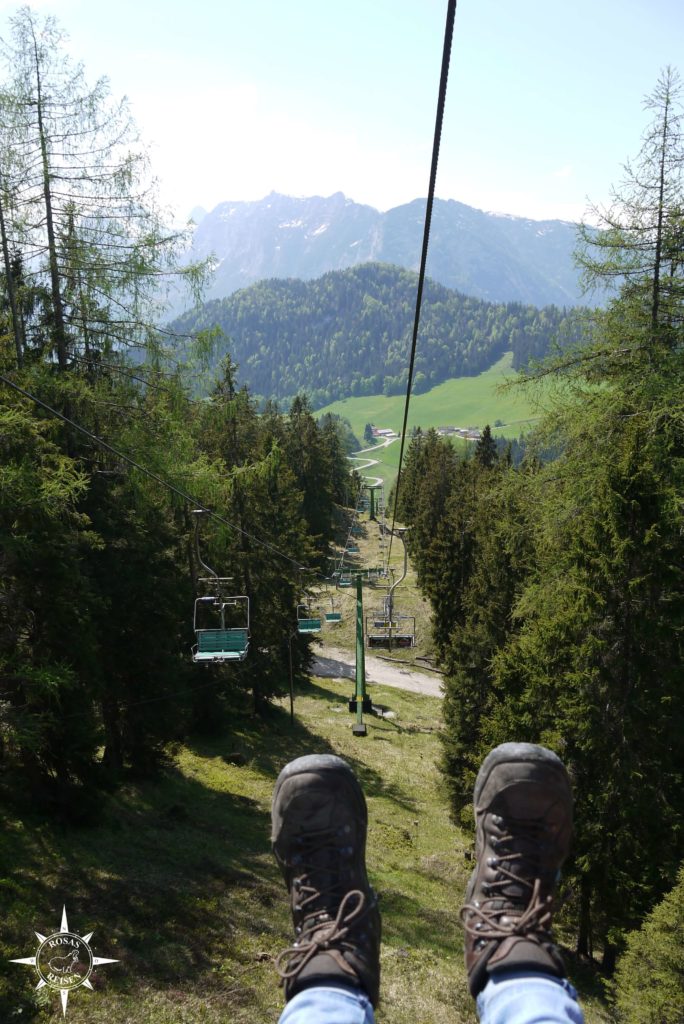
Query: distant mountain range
(484,255)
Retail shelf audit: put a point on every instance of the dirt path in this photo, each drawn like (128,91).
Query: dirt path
(358,457)
(333,663)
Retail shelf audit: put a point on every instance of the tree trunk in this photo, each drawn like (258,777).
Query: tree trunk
(584,934)
(11,294)
(57,302)
(609,958)
(655,295)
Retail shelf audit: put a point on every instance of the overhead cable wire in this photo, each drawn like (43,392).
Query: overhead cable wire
(155,476)
(446,54)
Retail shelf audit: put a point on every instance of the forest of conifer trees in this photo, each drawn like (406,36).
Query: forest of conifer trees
(557,586)
(97,565)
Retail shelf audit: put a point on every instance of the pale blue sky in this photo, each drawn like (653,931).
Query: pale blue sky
(241,97)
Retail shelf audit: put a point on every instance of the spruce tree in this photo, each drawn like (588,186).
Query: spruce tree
(649,980)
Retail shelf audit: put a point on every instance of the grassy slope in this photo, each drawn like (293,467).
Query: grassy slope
(463,402)
(176,878)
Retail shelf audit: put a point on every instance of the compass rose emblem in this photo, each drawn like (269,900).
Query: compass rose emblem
(64,961)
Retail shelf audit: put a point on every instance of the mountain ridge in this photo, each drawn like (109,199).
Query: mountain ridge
(496,257)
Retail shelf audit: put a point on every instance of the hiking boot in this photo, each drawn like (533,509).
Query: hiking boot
(523,815)
(319,823)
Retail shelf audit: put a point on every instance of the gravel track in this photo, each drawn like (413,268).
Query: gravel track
(333,663)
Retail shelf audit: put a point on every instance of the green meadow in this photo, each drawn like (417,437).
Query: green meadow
(461,402)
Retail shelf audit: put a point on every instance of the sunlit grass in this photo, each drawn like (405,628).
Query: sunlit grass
(177,881)
(461,402)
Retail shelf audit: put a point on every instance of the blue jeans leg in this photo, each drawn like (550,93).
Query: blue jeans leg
(328,1004)
(513,997)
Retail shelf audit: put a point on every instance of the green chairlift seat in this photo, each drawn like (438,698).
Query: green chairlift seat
(220,622)
(306,622)
(221,645)
(333,616)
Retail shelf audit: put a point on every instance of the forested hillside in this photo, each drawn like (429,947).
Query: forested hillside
(348,333)
(558,588)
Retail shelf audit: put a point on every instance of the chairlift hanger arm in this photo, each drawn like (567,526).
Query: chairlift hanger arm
(198,513)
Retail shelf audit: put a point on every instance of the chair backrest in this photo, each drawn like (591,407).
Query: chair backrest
(308,625)
(216,641)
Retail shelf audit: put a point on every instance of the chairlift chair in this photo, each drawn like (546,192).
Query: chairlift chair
(332,615)
(306,622)
(223,642)
(399,631)
(385,627)
(221,623)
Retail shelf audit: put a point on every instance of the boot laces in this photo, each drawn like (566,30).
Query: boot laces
(320,932)
(504,914)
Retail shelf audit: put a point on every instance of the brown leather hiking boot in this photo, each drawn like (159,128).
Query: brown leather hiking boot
(523,814)
(319,823)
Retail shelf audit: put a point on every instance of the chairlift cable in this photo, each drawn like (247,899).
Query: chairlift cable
(448,35)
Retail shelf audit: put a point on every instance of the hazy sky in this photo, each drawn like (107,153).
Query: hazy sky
(308,97)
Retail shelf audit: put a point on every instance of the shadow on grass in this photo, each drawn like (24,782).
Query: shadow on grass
(171,871)
(317,690)
(267,742)
(271,741)
(176,876)
(286,741)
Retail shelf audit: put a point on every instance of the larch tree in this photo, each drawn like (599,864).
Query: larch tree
(638,246)
(78,201)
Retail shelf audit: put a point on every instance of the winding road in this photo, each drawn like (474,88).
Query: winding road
(375,481)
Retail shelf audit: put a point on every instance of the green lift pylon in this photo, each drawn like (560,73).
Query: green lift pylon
(373,506)
(360,702)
